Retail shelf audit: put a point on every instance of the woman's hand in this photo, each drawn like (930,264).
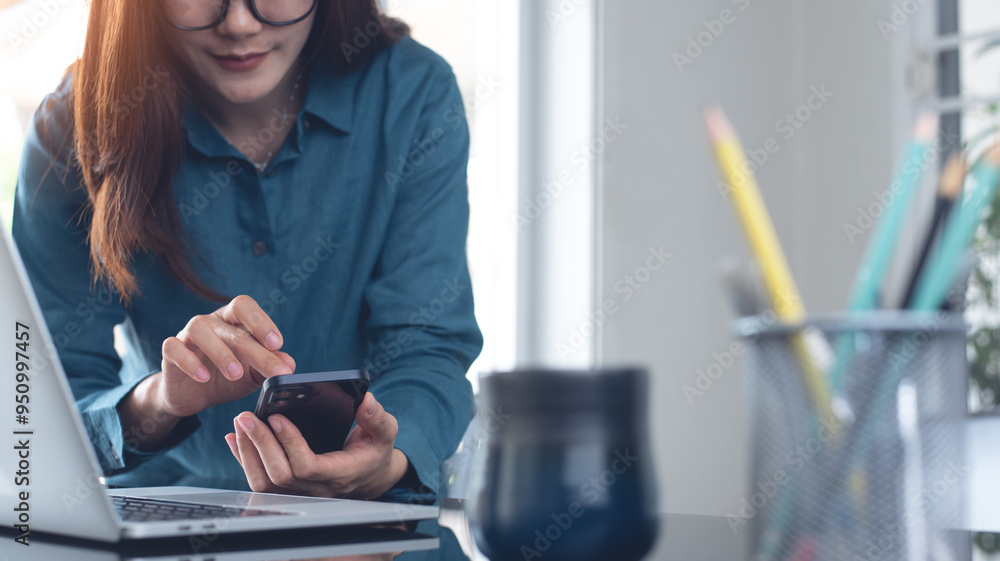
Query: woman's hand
(220,357)
(276,459)
(216,358)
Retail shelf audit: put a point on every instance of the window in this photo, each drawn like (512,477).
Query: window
(964,52)
(479,39)
(38,40)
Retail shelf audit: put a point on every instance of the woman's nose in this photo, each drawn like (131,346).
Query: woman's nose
(239,21)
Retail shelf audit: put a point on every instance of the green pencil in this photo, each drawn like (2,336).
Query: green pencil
(878,255)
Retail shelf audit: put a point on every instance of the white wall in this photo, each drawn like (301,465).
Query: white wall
(657,188)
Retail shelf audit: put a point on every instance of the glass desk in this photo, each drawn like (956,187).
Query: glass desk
(681,537)
(445,539)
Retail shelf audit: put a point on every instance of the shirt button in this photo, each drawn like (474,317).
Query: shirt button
(259,247)
(305,122)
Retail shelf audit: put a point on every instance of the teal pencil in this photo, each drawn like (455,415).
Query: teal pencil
(933,286)
(878,255)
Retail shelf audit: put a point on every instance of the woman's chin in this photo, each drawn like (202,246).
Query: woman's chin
(242,96)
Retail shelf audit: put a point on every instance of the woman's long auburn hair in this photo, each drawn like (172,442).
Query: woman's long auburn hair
(128,138)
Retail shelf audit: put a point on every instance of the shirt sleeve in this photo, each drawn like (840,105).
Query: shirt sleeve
(49,228)
(421,328)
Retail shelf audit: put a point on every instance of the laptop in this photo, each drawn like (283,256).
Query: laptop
(50,480)
(294,545)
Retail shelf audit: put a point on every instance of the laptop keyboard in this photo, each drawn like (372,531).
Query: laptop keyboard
(134,509)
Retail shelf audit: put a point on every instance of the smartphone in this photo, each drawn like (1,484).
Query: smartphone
(322,405)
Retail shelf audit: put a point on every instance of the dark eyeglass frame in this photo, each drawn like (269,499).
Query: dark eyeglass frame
(253,10)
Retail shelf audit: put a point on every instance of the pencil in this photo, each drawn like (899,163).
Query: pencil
(740,278)
(936,280)
(932,288)
(764,244)
(878,255)
(949,188)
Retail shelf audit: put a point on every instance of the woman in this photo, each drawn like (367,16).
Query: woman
(252,187)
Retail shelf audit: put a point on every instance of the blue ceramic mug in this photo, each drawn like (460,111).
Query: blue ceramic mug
(567,473)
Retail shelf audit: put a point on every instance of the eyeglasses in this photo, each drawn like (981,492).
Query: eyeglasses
(196,15)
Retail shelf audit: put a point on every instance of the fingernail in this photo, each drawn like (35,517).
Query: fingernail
(201,374)
(235,370)
(275,424)
(246,422)
(282,370)
(371,408)
(273,341)
(236,426)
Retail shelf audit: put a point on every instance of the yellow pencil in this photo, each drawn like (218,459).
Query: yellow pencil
(765,245)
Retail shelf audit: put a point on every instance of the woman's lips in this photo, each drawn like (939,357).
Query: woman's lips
(240,62)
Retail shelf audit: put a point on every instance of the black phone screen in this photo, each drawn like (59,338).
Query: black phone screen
(322,411)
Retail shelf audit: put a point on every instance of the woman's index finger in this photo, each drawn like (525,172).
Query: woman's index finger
(244,311)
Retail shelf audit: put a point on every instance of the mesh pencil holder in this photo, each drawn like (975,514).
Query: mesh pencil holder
(881,480)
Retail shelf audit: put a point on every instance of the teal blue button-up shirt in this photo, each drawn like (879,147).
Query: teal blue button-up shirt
(352,240)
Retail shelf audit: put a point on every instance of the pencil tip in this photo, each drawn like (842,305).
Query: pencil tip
(926,126)
(953,177)
(716,122)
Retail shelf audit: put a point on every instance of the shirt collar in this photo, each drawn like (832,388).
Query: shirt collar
(330,96)
(201,134)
